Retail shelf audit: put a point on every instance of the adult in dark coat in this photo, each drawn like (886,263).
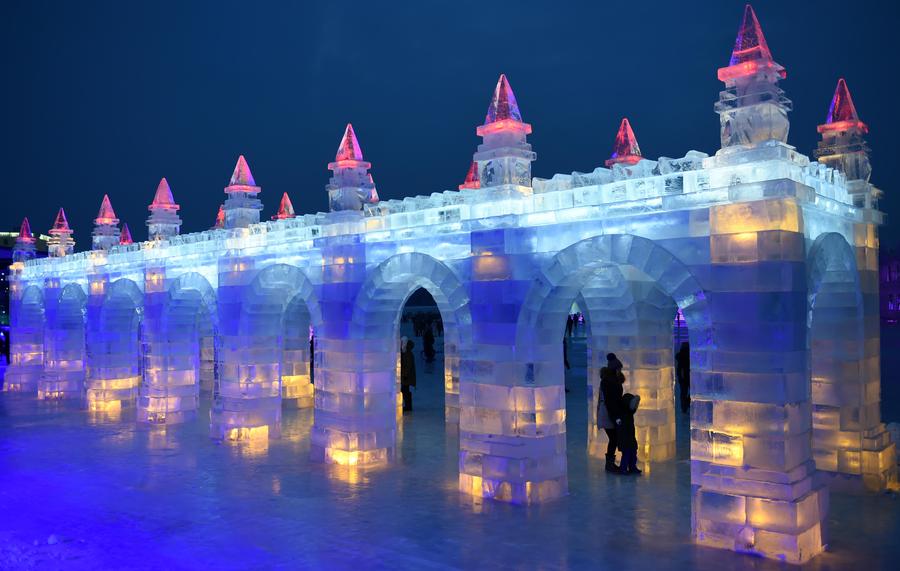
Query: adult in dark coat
(683,375)
(609,406)
(407,372)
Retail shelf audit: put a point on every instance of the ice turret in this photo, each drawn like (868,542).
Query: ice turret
(472,182)
(373,192)
(220,219)
(61,242)
(25,243)
(163,221)
(242,207)
(626,150)
(285,208)
(106,227)
(752,109)
(843,146)
(351,184)
(504,158)
(125,237)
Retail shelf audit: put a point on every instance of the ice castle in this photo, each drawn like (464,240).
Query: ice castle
(770,257)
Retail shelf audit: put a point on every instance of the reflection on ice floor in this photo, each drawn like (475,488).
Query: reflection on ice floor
(117,495)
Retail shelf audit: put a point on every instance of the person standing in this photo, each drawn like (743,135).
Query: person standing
(428,343)
(407,371)
(609,406)
(627,438)
(570,324)
(683,375)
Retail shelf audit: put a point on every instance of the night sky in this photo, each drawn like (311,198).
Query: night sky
(107,97)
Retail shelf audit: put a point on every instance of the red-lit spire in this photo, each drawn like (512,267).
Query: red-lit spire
(242,175)
(125,237)
(220,218)
(106,215)
(751,52)
(842,114)
(349,149)
(25,232)
(503,112)
(285,208)
(626,149)
(163,199)
(472,181)
(61,225)
(372,197)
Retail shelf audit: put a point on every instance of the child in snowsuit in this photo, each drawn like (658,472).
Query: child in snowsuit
(627,440)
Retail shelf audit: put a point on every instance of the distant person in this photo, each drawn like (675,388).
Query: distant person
(566,355)
(683,375)
(627,439)
(407,371)
(609,405)
(428,344)
(312,359)
(570,324)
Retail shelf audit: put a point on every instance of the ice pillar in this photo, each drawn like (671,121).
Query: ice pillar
(26,350)
(63,374)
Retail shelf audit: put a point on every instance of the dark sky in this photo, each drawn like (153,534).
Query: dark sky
(107,97)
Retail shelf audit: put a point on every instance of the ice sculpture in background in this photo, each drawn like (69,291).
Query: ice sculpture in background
(106,227)
(770,259)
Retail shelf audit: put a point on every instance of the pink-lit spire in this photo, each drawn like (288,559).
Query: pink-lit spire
(106,215)
(242,175)
(503,113)
(349,149)
(220,218)
(60,225)
(472,181)
(842,114)
(163,199)
(25,234)
(125,237)
(285,208)
(372,197)
(626,149)
(751,52)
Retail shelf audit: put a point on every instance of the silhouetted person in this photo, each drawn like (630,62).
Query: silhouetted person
(407,371)
(683,375)
(627,439)
(428,343)
(609,406)
(570,324)
(312,359)
(566,355)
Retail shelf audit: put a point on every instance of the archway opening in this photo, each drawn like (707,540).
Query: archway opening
(421,322)
(297,367)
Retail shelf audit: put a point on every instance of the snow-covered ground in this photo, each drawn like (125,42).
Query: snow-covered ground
(78,495)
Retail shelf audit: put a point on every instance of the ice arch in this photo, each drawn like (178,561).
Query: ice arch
(177,322)
(114,347)
(849,439)
(27,341)
(63,376)
(355,420)
(252,355)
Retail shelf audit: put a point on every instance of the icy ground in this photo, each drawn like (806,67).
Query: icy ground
(77,495)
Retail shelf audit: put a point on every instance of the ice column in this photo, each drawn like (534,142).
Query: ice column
(351,185)
(61,242)
(63,375)
(850,442)
(242,206)
(26,350)
(106,227)
(504,158)
(752,109)
(163,221)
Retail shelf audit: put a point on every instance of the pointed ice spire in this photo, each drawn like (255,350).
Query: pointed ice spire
(242,175)
(60,224)
(472,181)
(163,199)
(220,219)
(106,215)
(349,149)
(625,149)
(125,237)
(372,197)
(750,43)
(25,234)
(503,104)
(285,208)
(842,112)
(24,247)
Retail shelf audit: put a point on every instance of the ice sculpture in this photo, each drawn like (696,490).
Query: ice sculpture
(106,227)
(125,236)
(24,248)
(163,221)
(61,242)
(769,258)
(220,219)
(285,208)
(472,181)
